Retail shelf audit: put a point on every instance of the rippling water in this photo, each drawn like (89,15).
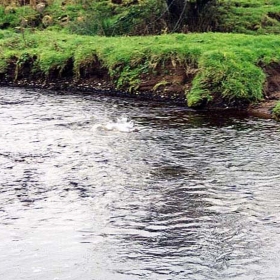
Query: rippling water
(177,195)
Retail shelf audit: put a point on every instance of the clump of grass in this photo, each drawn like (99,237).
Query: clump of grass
(276,111)
(54,60)
(84,57)
(226,74)
(18,16)
(3,65)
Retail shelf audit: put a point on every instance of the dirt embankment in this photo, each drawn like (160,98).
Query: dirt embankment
(167,84)
(271,93)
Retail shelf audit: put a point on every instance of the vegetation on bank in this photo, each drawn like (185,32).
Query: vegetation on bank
(276,111)
(141,17)
(78,38)
(226,66)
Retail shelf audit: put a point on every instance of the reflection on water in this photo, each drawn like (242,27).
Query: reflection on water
(177,195)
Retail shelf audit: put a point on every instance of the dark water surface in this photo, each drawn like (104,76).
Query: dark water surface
(179,195)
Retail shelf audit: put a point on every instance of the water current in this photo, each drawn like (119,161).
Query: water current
(101,188)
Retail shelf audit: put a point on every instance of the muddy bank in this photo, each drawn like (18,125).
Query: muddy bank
(168,84)
(95,78)
(264,108)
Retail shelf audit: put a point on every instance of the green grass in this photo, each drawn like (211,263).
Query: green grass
(224,66)
(102,17)
(249,16)
(276,111)
(228,65)
(229,75)
(3,66)
(13,17)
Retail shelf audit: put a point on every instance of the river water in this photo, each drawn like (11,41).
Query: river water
(94,187)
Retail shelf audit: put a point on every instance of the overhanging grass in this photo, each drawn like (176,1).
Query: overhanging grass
(3,65)
(229,75)
(232,72)
(276,111)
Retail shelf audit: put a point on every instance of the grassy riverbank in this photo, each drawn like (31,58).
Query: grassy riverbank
(207,68)
(77,44)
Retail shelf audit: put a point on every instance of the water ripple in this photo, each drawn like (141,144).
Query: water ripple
(179,195)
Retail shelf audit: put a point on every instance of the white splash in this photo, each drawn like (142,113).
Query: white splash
(121,125)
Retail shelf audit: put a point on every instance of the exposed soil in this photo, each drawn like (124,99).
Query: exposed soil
(271,91)
(168,84)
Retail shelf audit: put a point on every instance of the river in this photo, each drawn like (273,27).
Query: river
(94,187)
